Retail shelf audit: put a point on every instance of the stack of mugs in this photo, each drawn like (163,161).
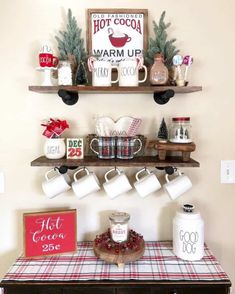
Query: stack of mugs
(116,183)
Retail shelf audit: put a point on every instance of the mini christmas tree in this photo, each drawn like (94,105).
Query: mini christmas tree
(81,75)
(70,43)
(163,132)
(160,44)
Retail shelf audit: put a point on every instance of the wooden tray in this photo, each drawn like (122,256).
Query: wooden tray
(119,258)
(166,147)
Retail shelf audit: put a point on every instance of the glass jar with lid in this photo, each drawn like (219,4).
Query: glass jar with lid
(158,71)
(119,227)
(181,130)
(64,73)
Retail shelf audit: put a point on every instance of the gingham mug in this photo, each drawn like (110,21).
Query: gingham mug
(105,147)
(126,147)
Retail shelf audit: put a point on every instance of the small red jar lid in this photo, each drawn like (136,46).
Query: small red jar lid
(181,118)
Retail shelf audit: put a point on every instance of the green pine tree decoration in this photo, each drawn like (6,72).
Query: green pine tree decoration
(163,132)
(70,43)
(81,74)
(160,43)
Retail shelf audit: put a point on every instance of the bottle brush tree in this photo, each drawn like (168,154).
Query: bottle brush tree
(160,43)
(71,44)
(163,132)
(81,74)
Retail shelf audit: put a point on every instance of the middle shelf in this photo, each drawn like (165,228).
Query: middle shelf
(151,161)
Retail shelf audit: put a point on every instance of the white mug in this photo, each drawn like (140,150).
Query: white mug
(146,184)
(177,186)
(129,73)
(101,72)
(86,184)
(117,185)
(56,184)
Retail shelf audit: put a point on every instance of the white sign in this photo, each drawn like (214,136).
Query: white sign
(115,36)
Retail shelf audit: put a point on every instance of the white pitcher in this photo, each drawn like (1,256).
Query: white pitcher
(101,72)
(129,72)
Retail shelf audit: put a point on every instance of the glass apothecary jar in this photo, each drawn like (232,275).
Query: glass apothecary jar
(119,226)
(181,130)
(158,71)
(64,73)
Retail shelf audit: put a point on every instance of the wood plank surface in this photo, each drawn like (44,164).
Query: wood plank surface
(137,161)
(114,89)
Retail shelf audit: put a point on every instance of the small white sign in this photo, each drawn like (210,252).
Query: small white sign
(75,148)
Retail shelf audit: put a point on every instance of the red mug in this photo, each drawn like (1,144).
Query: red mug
(48,60)
(119,41)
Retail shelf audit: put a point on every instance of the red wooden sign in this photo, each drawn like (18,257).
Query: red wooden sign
(50,233)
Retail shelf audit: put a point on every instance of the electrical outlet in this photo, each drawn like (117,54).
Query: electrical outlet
(227,172)
(1,182)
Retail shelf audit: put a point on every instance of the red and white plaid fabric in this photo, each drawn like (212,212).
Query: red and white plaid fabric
(158,263)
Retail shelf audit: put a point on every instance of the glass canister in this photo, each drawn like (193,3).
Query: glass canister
(65,73)
(158,72)
(119,227)
(181,130)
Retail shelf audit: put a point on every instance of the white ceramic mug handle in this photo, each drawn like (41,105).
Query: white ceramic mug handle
(139,147)
(51,170)
(94,139)
(139,172)
(80,170)
(145,74)
(111,170)
(114,66)
(167,176)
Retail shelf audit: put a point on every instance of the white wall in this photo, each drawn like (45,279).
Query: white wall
(203,30)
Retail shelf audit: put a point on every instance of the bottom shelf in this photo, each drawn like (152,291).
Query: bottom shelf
(153,161)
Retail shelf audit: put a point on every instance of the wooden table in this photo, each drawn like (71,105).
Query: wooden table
(159,271)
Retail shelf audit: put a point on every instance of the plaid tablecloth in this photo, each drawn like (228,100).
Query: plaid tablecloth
(158,263)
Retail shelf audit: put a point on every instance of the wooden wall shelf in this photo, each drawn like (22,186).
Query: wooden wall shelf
(114,89)
(150,161)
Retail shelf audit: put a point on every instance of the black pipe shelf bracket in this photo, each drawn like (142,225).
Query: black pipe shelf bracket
(63,169)
(170,170)
(163,97)
(68,97)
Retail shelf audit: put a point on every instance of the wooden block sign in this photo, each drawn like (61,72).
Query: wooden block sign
(117,34)
(75,148)
(50,233)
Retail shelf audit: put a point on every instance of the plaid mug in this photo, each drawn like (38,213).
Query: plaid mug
(105,147)
(126,147)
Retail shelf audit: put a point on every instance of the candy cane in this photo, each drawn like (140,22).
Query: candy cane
(140,61)
(90,63)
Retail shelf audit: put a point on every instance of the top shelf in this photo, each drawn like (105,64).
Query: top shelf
(114,89)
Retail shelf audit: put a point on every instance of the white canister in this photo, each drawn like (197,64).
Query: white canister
(54,148)
(188,234)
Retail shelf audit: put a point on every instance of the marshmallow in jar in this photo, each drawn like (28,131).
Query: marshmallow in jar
(188,234)
(64,73)
(119,226)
